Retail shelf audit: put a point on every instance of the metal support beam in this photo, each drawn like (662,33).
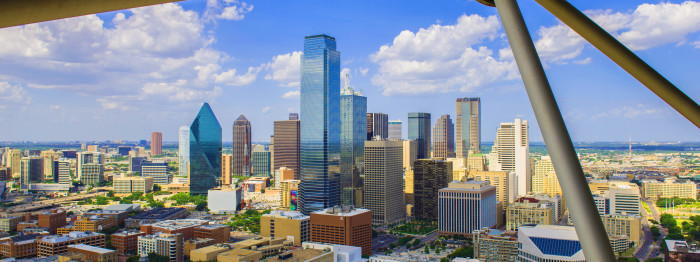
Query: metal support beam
(625,58)
(589,227)
(21,12)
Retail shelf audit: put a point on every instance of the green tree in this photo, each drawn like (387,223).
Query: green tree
(156,187)
(426,250)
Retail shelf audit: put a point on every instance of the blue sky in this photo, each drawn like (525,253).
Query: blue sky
(122,75)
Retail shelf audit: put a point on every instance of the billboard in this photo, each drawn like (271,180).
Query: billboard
(293,200)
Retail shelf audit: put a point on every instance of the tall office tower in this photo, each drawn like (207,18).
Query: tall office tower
(503,181)
(383,191)
(353,133)
(549,243)
(261,162)
(320,124)
(286,154)
(410,154)
(226,164)
(15,158)
(123,150)
(271,148)
(419,130)
(91,174)
(93,148)
(205,151)
(466,206)
(63,168)
(377,125)
(184,149)
(49,157)
(444,138)
(31,169)
(395,130)
(468,126)
(293,116)
(429,176)
(156,143)
(242,146)
(158,170)
(511,152)
(343,226)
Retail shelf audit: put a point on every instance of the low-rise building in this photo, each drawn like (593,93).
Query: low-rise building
(208,253)
(267,246)
(155,215)
(178,226)
(653,189)
(679,251)
(124,186)
(289,191)
(94,254)
(343,226)
(549,243)
(196,243)
(9,224)
(219,233)
(126,242)
(286,224)
(58,244)
(466,206)
(495,245)
(118,215)
(169,245)
(625,226)
(526,211)
(52,219)
(239,255)
(224,200)
(19,246)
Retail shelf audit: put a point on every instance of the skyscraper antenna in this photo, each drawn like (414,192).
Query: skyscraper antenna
(347,80)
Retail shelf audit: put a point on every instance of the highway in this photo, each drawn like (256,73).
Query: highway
(36,205)
(648,248)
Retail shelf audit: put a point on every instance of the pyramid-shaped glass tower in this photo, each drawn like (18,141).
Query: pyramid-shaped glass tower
(205,151)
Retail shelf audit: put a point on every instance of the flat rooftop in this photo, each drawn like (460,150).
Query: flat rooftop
(298,255)
(179,223)
(159,213)
(92,248)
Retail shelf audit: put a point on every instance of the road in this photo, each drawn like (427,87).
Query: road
(47,203)
(648,248)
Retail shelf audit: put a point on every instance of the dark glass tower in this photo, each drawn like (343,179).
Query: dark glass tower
(205,151)
(419,130)
(353,111)
(242,147)
(320,124)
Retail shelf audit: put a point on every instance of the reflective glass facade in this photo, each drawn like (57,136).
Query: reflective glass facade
(468,126)
(205,151)
(184,147)
(419,130)
(320,124)
(353,111)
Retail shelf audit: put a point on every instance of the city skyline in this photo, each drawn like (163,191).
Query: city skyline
(599,101)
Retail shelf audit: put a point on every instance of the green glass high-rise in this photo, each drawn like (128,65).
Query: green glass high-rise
(205,151)
(419,130)
(353,133)
(320,124)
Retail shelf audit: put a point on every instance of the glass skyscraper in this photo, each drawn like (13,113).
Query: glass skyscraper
(419,130)
(205,151)
(184,149)
(468,126)
(353,111)
(320,124)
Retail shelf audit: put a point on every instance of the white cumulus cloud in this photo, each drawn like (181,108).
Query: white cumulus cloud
(291,94)
(12,95)
(442,58)
(648,26)
(285,69)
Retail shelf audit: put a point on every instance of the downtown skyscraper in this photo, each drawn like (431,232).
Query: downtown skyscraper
(419,130)
(156,143)
(468,126)
(242,146)
(377,125)
(353,111)
(184,150)
(287,137)
(511,153)
(444,137)
(205,151)
(320,124)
